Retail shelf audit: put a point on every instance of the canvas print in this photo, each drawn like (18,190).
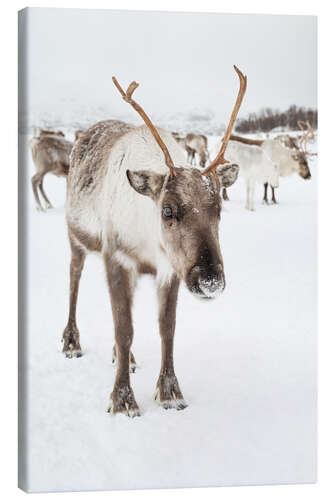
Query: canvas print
(167,249)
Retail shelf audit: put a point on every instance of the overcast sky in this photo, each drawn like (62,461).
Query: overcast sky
(182,61)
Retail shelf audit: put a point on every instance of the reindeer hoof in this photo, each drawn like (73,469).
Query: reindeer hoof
(73,353)
(70,339)
(168,395)
(49,206)
(122,401)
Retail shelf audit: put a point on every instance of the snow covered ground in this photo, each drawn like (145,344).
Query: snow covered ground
(246,362)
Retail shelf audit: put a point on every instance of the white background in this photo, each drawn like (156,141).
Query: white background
(8,275)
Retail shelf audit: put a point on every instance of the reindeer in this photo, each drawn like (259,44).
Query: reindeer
(194,144)
(288,161)
(50,153)
(292,161)
(132,197)
(197,144)
(255,167)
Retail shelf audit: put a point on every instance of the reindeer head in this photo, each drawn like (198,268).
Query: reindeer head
(189,206)
(303,168)
(301,156)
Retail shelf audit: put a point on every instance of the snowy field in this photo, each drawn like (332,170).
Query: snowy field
(246,362)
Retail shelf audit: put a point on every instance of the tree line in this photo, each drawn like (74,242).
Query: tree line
(267,119)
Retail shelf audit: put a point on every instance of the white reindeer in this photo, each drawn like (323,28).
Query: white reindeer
(255,166)
(288,160)
(127,200)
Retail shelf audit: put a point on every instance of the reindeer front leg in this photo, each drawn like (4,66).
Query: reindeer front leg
(71,334)
(168,393)
(121,287)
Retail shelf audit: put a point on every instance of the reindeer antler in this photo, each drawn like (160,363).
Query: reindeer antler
(300,124)
(307,134)
(127,96)
(220,160)
(310,130)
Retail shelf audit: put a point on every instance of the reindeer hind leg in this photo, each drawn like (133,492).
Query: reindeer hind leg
(265,199)
(273,196)
(41,188)
(35,181)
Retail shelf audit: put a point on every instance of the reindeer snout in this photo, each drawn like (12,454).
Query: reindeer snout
(206,282)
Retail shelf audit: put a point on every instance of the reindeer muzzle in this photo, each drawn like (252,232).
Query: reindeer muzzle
(206,283)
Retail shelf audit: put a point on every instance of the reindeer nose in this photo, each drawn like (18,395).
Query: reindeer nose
(206,282)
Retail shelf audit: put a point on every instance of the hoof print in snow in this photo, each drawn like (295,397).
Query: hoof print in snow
(122,401)
(168,395)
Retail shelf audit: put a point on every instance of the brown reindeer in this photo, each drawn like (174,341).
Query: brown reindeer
(197,145)
(132,197)
(194,144)
(50,153)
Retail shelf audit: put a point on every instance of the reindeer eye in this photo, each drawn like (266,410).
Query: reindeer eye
(167,212)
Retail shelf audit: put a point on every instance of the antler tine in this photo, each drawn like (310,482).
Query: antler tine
(127,96)
(220,160)
(303,138)
(310,129)
(300,124)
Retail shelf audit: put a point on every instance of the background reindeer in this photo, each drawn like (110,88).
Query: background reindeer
(197,145)
(255,166)
(50,153)
(122,202)
(288,161)
(194,144)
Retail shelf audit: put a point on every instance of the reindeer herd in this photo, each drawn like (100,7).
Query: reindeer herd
(260,161)
(134,197)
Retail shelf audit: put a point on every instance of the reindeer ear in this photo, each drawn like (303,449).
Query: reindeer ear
(146,182)
(228,174)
